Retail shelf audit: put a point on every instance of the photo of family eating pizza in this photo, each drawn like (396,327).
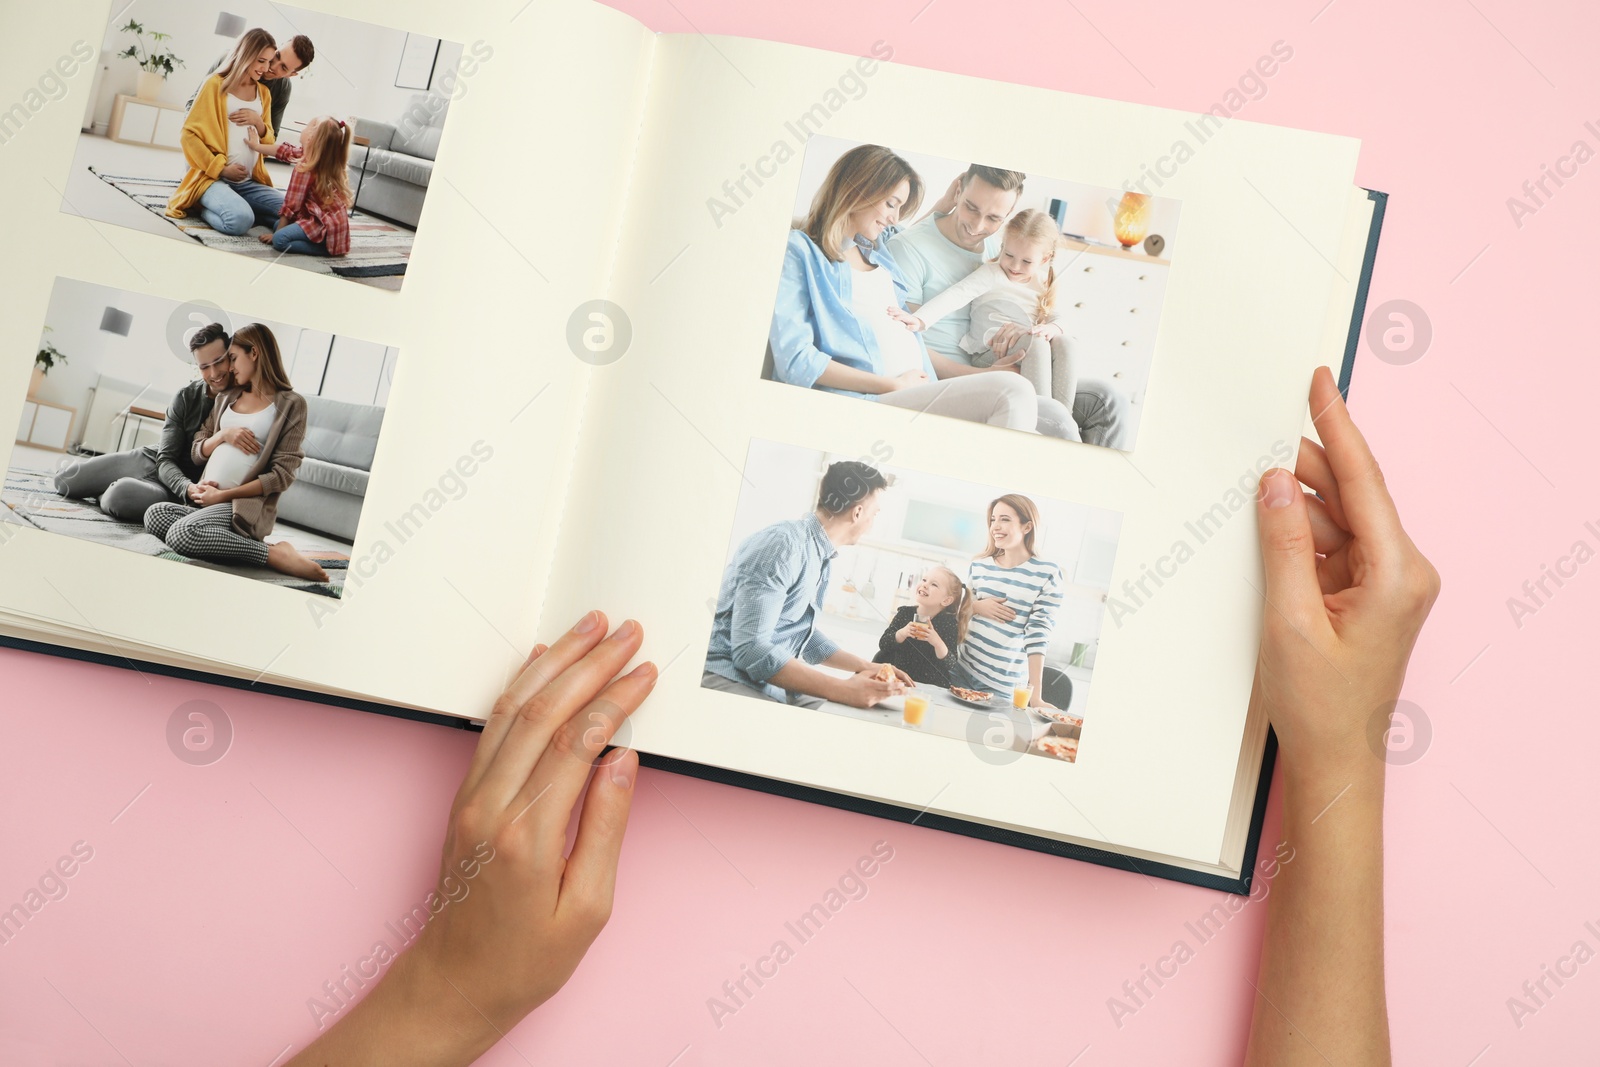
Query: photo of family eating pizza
(290,136)
(972,291)
(187,433)
(889,595)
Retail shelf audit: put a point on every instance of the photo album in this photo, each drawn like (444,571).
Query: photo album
(916,417)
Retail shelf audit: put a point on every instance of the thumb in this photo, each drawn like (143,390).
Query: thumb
(1288,553)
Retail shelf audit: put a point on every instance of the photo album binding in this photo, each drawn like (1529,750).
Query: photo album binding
(916,417)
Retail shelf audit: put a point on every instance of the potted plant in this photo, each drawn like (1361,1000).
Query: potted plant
(46,358)
(155,59)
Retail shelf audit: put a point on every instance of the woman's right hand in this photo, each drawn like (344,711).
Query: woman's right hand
(242,438)
(994,608)
(907,380)
(234,172)
(1347,592)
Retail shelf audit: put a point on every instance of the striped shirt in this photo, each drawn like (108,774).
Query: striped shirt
(996,653)
(767,609)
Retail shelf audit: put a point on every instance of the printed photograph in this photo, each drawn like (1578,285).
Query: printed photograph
(972,291)
(887,595)
(186,432)
(293,137)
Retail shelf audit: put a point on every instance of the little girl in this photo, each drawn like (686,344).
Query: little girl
(315,218)
(1018,287)
(922,637)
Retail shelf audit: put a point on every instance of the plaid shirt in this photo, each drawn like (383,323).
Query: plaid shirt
(327,223)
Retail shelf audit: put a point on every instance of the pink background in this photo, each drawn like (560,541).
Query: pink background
(225,895)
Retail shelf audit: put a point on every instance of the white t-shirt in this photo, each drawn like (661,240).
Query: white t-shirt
(229,465)
(871,296)
(238,151)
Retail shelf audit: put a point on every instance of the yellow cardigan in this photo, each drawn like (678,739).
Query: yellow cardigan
(205,142)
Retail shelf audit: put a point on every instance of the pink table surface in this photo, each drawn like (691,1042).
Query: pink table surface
(226,895)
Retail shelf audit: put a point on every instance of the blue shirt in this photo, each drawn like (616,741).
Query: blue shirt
(767,608)
(812,322)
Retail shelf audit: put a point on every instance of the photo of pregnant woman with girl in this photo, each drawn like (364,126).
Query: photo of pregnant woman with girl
(911,599)
(971,291)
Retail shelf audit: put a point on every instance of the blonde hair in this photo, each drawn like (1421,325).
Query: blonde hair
(864,175)
(963,605)
(244,53)
(327,159)
(1026,511)
(1038,227)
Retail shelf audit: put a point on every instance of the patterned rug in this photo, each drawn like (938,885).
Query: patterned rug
(378,249)
(30,498)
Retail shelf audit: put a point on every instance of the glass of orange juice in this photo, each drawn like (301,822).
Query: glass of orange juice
(915,708)
(1021,696)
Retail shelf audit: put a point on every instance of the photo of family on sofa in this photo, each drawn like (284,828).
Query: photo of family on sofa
(290,136)
(972,291)
(162,429)
(957,610)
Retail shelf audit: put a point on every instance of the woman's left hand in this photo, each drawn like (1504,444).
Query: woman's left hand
(210,493)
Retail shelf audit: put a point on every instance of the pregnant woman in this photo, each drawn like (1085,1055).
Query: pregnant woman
(831,327)
(226,180)
(1014,613)
(250,446)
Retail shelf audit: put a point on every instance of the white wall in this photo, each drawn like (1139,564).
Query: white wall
(352,75)
(1087,213)
(359,371)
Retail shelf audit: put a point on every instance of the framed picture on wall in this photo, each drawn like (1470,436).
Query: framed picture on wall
(417,58)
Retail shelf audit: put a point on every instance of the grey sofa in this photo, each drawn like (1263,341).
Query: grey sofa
(398,161)
(340,442)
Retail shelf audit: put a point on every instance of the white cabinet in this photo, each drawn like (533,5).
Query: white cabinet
(150,122)
(46,425)
(1111,306)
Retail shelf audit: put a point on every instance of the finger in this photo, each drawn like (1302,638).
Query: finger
(1364,498)
(1326,534)
(558,775)
(590,880)
(535,675)
(1288,555)
(541,718)
(1311,467)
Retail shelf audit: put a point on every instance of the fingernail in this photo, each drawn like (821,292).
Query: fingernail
(1277,488)
(587,623)
(622,769)
(643,670)
(627,629)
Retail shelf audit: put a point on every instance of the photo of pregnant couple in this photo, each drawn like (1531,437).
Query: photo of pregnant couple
(972,291)
(160,428)
(293,137)
(911,599)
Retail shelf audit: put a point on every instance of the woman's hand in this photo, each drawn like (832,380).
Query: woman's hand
(234,172)
(995,608)
(208,493)
(906,380)
(1346,591)
(507,935)
(242,438)
(908,320)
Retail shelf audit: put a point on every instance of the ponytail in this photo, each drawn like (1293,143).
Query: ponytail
(964,605)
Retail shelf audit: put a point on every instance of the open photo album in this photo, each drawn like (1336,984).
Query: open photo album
(916,417)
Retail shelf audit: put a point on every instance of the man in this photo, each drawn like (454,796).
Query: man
(127,483)
(764,641)
(949,244)
(285,65)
